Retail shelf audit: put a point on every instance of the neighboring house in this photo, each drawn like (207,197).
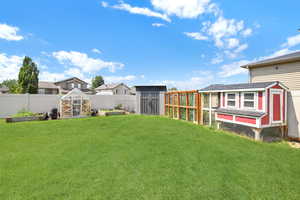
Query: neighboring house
(4,89)
(48,88)
(63,87)
(285,69)
(113,89)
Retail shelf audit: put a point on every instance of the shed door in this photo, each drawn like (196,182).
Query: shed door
(277,112)
(150,103)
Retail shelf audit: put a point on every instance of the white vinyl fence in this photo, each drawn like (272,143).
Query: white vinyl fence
(12,103)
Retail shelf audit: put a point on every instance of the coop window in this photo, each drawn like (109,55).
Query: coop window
(231,100)
(249,100)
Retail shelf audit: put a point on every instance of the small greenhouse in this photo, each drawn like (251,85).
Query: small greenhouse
(75,104)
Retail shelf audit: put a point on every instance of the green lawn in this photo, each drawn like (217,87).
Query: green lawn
(140,157)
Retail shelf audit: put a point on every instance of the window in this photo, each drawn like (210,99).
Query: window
(72,85)
(116,91)
(249,100)
(79,85)
(231,100)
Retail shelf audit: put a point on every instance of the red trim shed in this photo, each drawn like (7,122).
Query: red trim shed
(257,105)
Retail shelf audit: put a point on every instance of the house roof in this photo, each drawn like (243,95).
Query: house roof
(4,88)
(68,79)
(47,85)
(240,112)
(292,57)
(110,86)
(238,87)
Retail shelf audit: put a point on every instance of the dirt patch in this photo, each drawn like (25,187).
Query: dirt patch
(294,145)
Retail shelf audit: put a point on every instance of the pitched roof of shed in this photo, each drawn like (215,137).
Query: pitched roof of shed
(242,86)
(292,57)
(68,79)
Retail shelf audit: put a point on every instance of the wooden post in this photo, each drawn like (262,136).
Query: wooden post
(257,132)
(283,130)
(187,109)
(178,107)
(219,125)
(210,123)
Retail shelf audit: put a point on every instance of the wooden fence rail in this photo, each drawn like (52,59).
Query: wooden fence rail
(184,105)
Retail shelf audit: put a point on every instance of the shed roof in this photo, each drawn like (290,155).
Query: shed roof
(238,87)
(240,112)
(292,57)
(69,79)
(151,88)
(75,93)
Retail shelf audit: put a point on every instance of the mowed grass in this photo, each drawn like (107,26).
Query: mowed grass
(140,157)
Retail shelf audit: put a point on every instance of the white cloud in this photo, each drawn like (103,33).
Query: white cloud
(232,43)
(247,32)
(158,25)
(292,41)
(233,69)
(218,59)
(9,66)
(9,33)
(104,4)
(85,63)
(118,79)
(96,51)
(49,76)
(138,10)
(280,52)
(196,35)
(182,8)
(223,28)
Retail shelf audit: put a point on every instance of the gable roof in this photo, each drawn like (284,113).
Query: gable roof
(292,57)
(240,87)
(47,85)
(69,79)
(110,86)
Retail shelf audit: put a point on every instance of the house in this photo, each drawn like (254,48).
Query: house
(4,89)
(113,89)
(63,86)
(285,69)
(257,105)
(48,88)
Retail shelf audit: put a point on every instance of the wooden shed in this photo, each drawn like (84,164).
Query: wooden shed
(75,104)
(256,105)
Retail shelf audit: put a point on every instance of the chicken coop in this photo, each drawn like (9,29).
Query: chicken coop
(75,104)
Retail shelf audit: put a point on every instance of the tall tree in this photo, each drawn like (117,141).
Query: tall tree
(29,77)
(12,85)
(97,81)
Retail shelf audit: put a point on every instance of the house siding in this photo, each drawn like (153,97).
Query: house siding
(288,74)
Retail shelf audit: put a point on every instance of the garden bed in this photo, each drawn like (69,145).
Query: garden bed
(23,119)
(111,112)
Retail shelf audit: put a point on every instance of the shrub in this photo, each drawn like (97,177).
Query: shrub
(119,107)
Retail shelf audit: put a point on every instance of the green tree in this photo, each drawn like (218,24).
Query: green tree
(12,85)
(28,77)
(97,81)
(173,89)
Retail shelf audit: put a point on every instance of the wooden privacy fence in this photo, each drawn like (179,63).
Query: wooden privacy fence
(184,105)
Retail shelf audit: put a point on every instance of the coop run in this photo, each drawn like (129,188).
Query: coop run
(184,105)
(75,104)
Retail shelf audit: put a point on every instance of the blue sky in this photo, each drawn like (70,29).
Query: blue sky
(183,43)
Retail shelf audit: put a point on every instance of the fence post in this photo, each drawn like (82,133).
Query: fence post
(27,102)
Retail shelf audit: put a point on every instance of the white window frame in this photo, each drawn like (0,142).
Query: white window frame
(72,85)
(79,86)
(236,100)
(255,94)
